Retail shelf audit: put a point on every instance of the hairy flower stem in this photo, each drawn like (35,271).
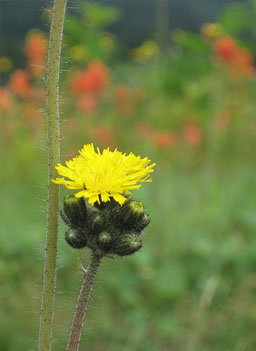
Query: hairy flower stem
(82,302)
(53,144)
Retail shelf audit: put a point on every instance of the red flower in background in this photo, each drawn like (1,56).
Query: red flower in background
(104,136)
(192,134)
(87,103)
(123,98)
(32,117)
(163,139)
(223,119)
(35,47)
(19,83)
(243,63)
(240,60)
(6,103)
(225,48)
(92,79)
(36,51)
(143,129)
(71,124)
(139,94)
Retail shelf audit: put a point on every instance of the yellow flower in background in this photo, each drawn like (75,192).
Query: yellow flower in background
(106,175)
(211,30)
(145,52)
(78,53)
(107,42)
(5,64)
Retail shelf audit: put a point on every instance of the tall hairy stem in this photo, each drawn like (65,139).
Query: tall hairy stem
(53,144)
(82,303)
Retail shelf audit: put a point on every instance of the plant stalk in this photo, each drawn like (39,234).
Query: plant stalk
(82,302)
(53,145)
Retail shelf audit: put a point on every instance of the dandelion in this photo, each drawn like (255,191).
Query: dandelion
(114,228)
(103,176)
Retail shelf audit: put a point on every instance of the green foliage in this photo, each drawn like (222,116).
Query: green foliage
(85,38)
(98,15)
(202,231)
(191,42)
(238,19)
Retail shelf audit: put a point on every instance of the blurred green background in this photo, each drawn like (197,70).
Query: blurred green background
(184,97)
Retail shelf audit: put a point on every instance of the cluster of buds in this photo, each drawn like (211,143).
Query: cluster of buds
(107,228)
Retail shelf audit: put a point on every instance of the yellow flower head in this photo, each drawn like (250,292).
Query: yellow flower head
(106,175)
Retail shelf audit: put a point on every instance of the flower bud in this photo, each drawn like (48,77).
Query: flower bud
(75,239)
(75,210)
(96,223)
(132,216)
(128,244)
(104,241)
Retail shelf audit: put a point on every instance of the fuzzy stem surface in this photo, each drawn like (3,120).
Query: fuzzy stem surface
(82,302)
(53,145)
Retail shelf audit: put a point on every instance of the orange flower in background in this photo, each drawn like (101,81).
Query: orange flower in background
(225,48)
(243,63)
(93,79)
(223,119)
(192,134)
(240,60)
(140,94)
(32,116)
(19,83)
(6,103)
(36,52)
(104,136)
(87,103)
(36,47)
(123,96)
(143,128)
(71,124)
(163,139)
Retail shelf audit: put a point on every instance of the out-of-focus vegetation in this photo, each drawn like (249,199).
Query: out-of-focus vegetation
(191,109)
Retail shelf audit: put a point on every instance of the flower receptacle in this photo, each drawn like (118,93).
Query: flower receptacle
(107,229)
